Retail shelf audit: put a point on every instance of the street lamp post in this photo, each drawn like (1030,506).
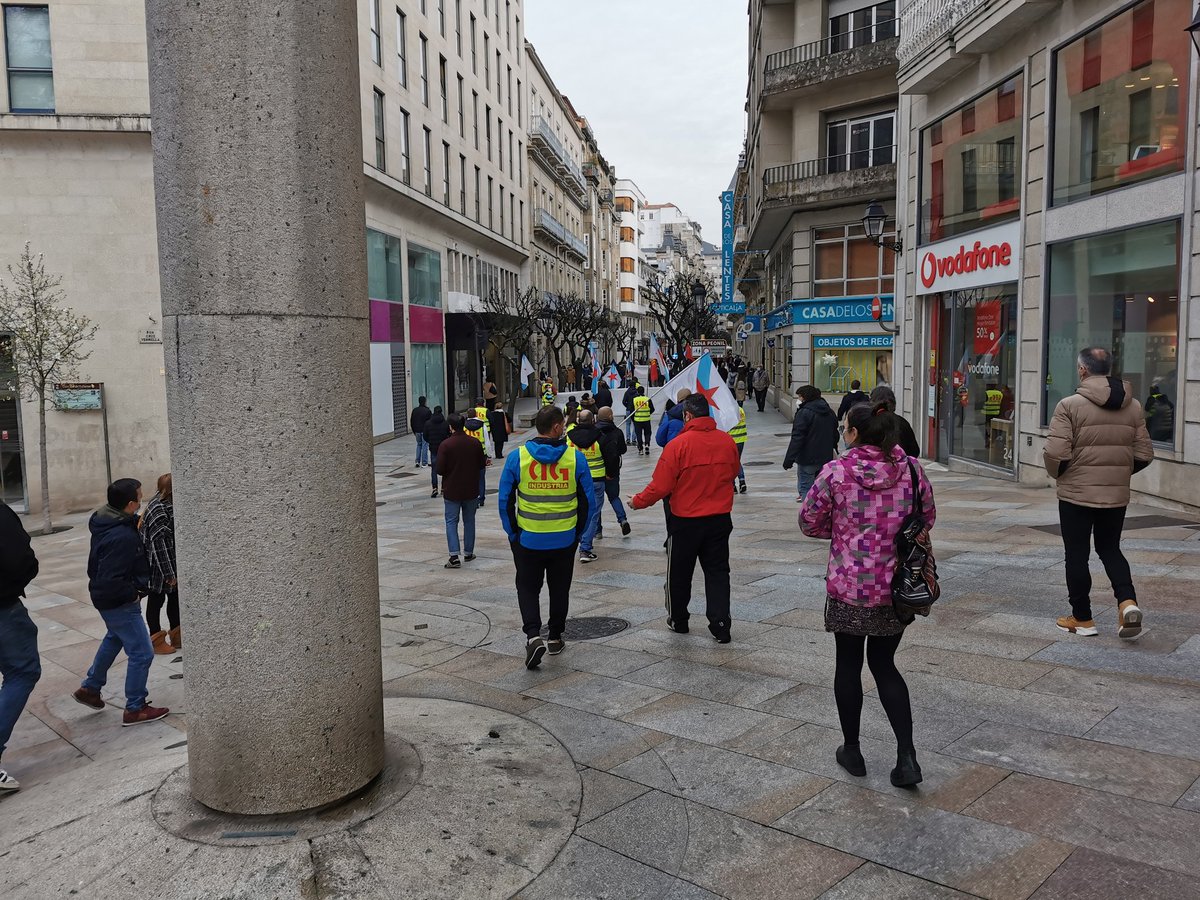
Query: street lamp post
(874,220)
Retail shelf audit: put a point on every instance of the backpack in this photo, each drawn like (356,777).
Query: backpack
(915,585)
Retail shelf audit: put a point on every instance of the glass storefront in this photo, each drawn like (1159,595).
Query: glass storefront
(1120,98)
(839,361)
(976,372)
(383,267)
(971,164)
(429,374)
(424,276)
(1121,291)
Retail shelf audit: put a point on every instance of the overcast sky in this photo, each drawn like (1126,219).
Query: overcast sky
(663,85)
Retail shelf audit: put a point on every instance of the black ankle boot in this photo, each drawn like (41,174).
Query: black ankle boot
(851,759)
(907,772)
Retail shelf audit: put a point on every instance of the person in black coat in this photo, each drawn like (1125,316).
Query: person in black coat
(908,437)
(416,422)
(19,661)
(604,395)
(436,431)
(856,395)
(814,438)
(500,425)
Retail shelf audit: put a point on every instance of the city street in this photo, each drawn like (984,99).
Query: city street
(1055,766)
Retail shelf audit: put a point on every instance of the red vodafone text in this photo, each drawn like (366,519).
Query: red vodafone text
(967,259)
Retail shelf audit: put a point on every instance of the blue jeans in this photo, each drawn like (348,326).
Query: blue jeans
(589,533)
(126,631)
(19,664)
(805,476)
(433,468)
(466,509)
(612,490)
(629,430)
(422,449)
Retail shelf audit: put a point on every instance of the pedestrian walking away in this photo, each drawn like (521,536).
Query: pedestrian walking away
(643,410)
(854,396)
(500,426)
(476,426)
(545,502)
(490,393)
(696,472)
(584,436)
(571,382)
(738,433)
(460,461)
(603,396)
(436,431)
(761,384)
(739,389)
(814,438)
(613,447)
(20,664)
(859,502)
(1098,439)
(572,410)
(670,426)
(416,422)
(158,537)
(118,576)
(908,438)
(627,403)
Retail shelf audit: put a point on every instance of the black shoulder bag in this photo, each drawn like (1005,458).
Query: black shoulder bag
(915,585)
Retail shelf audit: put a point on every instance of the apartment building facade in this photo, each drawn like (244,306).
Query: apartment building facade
(632,264)
(602,224)
(449,127)
(1048,191)
(820,145)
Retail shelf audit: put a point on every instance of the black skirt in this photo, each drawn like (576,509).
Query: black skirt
(871,621)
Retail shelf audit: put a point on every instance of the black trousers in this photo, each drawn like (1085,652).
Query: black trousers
(1080,526)
(642,430)
(556,568)
(154,605)
(703,538)
(760,397)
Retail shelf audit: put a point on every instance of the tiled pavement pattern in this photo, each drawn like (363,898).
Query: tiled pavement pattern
(1054,766)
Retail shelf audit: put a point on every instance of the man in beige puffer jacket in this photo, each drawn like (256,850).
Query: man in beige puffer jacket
(1098,439)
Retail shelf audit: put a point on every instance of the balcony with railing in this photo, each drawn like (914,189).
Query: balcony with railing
(871,48)
(941,38)
(555,230)
(553,155)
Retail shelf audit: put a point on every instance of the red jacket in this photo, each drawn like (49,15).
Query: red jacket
(696,471)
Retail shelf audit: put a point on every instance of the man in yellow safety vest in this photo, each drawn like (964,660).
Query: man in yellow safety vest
(738,433)
(643,409)
(584,436)
(993,397)
(546,497)
(477,427)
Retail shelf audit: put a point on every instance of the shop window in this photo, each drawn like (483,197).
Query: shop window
(1118,119)
(847,264)
(1120,291)
(429,373)
(424,276)
(971,164)
(383,267)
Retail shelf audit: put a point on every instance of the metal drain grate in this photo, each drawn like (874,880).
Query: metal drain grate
(588,628)
(758,462)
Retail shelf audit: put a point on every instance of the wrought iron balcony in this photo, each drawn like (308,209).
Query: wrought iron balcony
(548,225)
(830,165)
(866,49)
(554,156)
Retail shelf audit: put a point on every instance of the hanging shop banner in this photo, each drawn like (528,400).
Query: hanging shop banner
(852,341)
(991,256)
(777,319)
(727,248)
(844,309)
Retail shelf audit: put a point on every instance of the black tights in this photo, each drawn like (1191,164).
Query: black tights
(893,692)
(154,605)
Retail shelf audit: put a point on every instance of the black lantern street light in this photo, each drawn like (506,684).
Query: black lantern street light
(699,293)
(545,319)
(1194,30)
(873,221)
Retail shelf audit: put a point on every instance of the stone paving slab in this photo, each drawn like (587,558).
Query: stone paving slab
(1087,873)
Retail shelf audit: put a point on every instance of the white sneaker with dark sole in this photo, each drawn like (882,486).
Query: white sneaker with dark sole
(8,783)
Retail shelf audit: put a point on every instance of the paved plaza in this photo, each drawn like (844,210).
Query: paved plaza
(659,765)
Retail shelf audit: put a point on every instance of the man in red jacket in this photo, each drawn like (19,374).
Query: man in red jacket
(696,471)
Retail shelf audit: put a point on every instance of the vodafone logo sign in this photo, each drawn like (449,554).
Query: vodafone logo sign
(982,258)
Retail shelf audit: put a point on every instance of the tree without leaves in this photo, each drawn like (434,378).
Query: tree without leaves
(680,318)
(45,340)
(512,322)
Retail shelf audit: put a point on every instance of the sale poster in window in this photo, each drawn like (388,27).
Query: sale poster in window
(987,328)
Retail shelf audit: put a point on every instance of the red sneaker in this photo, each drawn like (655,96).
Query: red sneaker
(147,713)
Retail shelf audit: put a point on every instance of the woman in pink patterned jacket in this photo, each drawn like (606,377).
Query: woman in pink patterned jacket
(859,501)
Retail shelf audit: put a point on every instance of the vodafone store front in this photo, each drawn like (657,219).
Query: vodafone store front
(969,284)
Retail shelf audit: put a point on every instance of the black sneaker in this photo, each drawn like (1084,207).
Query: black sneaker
(907,772)
(625,529)
(434,494)
(677,627)
(742,487)
(453,563)
(851,759)
(469,557)
(535,649)
(720,632)
(481,503)
(555,646)
(587,556)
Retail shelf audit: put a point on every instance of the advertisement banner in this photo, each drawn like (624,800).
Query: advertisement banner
(979,259)
(852,341)
(727,249)
(987,327)
(845,309)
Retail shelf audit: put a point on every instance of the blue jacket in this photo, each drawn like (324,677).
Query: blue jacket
(545,450)
(118,571)
(670,426)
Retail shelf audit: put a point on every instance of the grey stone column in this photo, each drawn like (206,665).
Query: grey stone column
(257,137)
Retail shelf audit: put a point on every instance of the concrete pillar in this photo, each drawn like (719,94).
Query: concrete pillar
(258,160)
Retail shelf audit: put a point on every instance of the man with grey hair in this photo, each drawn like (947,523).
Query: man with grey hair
(1098,439)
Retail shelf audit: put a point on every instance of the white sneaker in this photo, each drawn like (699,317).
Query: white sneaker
(8,783)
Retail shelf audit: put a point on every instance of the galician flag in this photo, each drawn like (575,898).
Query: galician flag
(702,377)
(596,372)
(656,353)
(526,371)
(612,378)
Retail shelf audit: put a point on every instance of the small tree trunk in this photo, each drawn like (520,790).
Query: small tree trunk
(47,527)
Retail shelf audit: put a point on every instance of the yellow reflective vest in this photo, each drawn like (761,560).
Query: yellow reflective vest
(595,459)
(546,500)
(991,403)
(738,431)
(641,409)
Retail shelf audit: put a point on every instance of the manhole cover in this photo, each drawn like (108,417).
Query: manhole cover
(588,628)
(758,462)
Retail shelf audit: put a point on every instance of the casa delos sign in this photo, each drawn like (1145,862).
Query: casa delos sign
(992,256)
